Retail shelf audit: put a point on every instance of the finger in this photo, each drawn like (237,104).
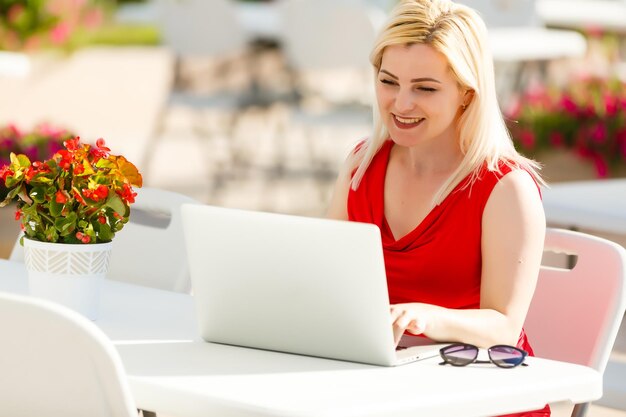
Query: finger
(395,313)
(397,334)
(416,326)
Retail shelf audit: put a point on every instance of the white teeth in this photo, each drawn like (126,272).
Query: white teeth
(408,121)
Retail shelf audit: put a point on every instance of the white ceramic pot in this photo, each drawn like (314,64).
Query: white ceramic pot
(67,274)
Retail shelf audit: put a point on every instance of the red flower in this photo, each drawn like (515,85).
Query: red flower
(79,197)
(127,194)
(98,194)
(60,197)
(83,237)
(66,159)
(79,169)
(102,219)
(72,144)
(18,214)
(5,172)
(100,151)
(29,174)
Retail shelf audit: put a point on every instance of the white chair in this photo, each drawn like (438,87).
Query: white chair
(150,249)
(57,363)
(327,45)
(576,313)
(211,68)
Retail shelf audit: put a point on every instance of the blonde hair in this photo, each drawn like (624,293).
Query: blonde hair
(457,32)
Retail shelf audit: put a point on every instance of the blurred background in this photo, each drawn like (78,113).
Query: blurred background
(255,104)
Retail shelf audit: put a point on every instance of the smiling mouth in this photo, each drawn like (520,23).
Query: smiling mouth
(406,123)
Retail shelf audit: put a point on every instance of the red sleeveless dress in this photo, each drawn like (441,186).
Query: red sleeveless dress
(439,262)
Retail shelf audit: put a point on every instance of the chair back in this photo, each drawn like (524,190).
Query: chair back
(201,28)
(150,249)
(57,363)
(325,34)
(505,13)
(327,46)
(576,313)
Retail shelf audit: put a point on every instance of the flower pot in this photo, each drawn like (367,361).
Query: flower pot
(67,274)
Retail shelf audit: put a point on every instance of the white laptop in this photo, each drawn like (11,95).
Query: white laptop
(293,284)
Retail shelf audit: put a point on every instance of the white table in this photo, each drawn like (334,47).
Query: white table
(598,205)
(584,14)
(171,372)
(14,64)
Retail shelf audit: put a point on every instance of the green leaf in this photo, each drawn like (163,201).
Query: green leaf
(104,231)
(66,225)
(55,208)
(38,194)
(115,202)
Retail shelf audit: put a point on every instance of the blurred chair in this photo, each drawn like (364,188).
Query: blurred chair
(150,249)
(17,253)
(57,363)
(521,46)
(327,46)
(576,313)
(212,67)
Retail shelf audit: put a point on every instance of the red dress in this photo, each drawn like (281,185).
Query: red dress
(439,262)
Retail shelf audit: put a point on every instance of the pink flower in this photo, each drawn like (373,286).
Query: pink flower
(598,133)
(601,166)
(527,138)
(557,139)
(568,104)
(60,33)
(611,104)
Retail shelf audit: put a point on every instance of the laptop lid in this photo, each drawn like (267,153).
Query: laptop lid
(287,283)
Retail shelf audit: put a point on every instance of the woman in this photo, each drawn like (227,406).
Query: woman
(459,209)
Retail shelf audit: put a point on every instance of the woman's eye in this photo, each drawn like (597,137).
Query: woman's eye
(388,82)
(427,89)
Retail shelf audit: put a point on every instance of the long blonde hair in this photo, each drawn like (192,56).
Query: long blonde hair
(460,35)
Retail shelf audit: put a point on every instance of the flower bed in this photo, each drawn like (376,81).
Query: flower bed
(37,144)
(588,117)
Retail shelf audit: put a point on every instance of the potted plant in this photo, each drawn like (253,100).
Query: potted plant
(70,206)
(587,118)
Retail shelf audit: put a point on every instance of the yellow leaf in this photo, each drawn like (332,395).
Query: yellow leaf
(129,171)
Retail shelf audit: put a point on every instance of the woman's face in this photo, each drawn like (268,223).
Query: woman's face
(418,97)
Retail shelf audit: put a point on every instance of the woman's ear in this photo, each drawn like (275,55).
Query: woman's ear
(468,96)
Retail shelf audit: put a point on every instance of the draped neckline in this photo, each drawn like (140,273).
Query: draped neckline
(424,224)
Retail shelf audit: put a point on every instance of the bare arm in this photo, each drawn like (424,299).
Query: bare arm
(513,231)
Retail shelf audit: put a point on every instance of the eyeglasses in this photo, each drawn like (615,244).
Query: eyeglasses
(462,354)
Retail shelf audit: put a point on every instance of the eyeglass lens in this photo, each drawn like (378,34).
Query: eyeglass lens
(506,356)
(460,354)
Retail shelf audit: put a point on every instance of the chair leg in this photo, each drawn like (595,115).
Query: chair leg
(580,410)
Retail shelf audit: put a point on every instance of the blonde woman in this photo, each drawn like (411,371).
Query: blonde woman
(459,209)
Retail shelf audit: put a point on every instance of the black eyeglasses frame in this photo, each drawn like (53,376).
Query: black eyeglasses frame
(498,362)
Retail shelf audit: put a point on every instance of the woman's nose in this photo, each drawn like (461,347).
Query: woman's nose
(404,102)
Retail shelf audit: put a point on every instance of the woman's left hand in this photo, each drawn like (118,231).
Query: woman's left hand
(410,317)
